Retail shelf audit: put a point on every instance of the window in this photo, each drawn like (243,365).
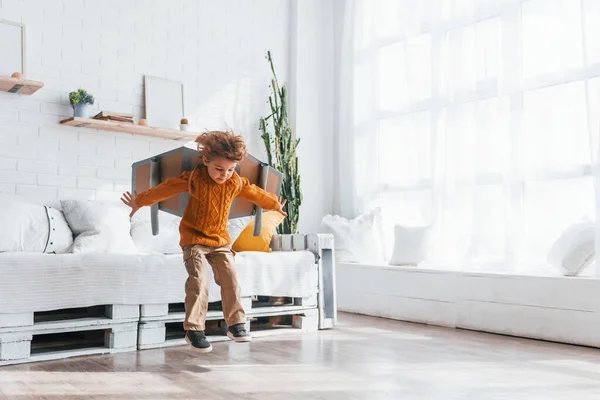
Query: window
(480,118)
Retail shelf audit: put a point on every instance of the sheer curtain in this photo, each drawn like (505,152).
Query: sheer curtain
(477,117)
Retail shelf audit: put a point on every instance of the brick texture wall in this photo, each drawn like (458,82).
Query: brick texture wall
(215,47)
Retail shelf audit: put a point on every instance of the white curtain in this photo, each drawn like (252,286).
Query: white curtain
(477,117)
(345,203)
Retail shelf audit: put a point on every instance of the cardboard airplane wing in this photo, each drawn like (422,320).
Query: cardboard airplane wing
(152,171)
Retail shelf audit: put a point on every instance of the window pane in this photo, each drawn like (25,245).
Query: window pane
(555,128)
(445,9)
(493,135)
(418,55)
(387,17)
(478,138)
(411,207)
(461,133)
(392,75)
(473,228)
(362,93)
(417,16)
(458,73)
(470,56)
(405,149)
(488,241)
(404,72)
(457,9)
(487,47)
(551,36)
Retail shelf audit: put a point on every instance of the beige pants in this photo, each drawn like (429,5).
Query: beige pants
(221,259)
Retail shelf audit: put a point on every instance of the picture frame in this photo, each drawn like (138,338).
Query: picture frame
(12,48)
(164,101)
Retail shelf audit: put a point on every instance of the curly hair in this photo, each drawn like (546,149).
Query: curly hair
(221,144)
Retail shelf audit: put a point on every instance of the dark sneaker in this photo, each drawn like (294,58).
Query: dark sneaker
(198,341)
(238,333)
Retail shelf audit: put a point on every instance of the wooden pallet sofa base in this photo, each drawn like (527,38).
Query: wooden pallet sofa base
(32,337)
(161,325)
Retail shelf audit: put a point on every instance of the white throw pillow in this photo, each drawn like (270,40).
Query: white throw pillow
(34,228)
(24,227)
(411,245)
(236,226)
(574,250)
(99,228)
(356,240)
(60,236)
(167,240)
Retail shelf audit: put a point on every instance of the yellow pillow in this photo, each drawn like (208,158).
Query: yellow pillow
(248,242)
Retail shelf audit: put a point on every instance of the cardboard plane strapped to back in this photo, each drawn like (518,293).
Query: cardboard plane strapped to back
(152,171)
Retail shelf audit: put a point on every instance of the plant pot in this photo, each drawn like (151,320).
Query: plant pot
(184,127)
(81,110)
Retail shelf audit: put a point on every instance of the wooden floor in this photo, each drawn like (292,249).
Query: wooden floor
(364,358)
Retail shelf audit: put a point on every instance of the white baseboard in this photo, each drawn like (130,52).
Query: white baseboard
(560,309)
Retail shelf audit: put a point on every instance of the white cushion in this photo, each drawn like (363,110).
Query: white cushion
(356,240)
(167,240)
(24,227)
(99,228)
(574,250)
(32,228)
(236,226)
(411,245)
(60,236)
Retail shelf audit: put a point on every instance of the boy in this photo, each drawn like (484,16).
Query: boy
(203,230)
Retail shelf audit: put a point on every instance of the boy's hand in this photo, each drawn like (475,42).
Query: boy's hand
(280,211)
(130,202)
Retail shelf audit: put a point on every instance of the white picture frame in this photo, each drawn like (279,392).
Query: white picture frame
(164,101)
(12,48)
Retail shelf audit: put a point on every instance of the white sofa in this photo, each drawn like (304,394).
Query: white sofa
(80,268)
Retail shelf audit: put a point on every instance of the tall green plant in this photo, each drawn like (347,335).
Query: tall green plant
(281,144)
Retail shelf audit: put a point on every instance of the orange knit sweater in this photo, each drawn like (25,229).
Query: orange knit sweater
(205,217)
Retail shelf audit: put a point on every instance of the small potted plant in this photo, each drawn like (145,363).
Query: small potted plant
(81,101)
(184,124)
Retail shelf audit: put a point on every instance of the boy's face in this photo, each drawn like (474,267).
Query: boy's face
(220,169)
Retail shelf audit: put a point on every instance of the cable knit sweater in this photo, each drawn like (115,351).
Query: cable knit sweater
(205,217)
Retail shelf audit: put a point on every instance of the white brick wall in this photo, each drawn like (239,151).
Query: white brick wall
(215,47)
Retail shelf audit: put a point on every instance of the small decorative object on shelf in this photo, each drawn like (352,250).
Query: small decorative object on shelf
(143,122)
(81,101)
(184,124)
(17,75)
(114,116)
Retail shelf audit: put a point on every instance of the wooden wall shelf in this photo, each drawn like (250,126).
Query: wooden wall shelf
(21,86)
(129,128)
